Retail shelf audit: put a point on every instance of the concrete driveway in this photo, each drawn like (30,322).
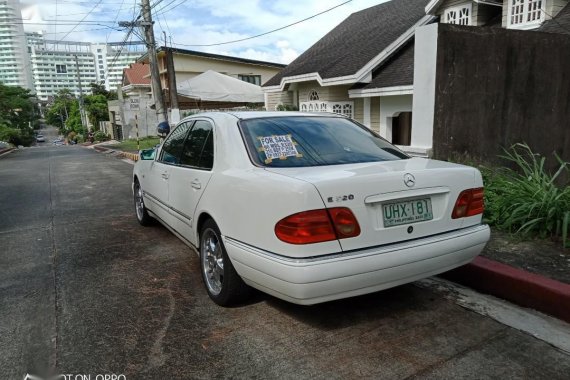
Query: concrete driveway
(85,290)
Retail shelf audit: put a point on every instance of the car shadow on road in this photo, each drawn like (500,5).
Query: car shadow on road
(386,304)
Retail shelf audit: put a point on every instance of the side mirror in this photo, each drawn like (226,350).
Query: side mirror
(163,128)
(147,154)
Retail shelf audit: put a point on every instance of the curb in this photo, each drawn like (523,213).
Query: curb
(131,156)
(120,154)
(6,151)
(515,285)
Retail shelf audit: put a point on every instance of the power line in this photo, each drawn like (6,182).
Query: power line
(116,17)
(266,33)
(158,2)
(100,11)
(168,28)
(163,10)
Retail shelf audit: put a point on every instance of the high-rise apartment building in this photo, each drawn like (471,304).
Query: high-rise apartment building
(112,58)
(14,58)
(56,65)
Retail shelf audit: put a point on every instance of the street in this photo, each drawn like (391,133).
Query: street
(86,290)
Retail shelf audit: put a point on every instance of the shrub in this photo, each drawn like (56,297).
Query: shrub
(527,200)
(101,136)
(287,107)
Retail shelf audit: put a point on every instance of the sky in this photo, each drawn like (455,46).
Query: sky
(190,23)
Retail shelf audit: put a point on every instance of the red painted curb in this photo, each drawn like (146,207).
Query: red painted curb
(515,285)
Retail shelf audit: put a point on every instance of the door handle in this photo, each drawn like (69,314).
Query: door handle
(196,184)
(164,175)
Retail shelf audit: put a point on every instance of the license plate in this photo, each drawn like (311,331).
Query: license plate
(407,212)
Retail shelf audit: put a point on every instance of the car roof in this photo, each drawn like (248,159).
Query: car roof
(247,115)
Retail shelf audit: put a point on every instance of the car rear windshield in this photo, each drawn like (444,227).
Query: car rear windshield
(300,141)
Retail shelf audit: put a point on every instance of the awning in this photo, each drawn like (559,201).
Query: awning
(215,87)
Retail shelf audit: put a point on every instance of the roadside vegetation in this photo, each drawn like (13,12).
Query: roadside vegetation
(527,199)
(131,145)
(65,115)
(18,115)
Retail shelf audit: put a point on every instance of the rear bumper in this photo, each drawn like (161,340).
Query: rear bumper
(321,279)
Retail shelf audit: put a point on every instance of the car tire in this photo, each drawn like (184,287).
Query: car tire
(140,209)
(223,284)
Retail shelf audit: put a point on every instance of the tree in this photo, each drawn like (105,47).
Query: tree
(73,122)
(99,89)
(58,111)
(96,107)
(17,114)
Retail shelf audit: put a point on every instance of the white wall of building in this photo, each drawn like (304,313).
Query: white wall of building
(424,86)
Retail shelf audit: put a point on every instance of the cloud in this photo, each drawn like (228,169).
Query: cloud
(209,22)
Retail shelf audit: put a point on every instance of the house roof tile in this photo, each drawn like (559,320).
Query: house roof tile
(356,41)
(560,23)
(398,70)
(137,74)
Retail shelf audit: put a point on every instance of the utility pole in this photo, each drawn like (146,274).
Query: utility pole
(172,93)
(154,73)
(174,108)
(81,109)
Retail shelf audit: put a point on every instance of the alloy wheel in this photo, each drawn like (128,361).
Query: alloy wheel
(212,261)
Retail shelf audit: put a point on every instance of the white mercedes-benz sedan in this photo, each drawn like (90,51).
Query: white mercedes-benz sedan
(306,207)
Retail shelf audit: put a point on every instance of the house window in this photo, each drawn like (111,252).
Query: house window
(313,95)
(460,15)
(342,108)
(253,79)
(525,12)
(61,69)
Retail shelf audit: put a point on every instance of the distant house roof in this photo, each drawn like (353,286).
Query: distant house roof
(356,41)
(559,24)
(137,74)
(398,70)
(217,56)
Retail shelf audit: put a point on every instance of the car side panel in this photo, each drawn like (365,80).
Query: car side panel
(154,180)
(246,205)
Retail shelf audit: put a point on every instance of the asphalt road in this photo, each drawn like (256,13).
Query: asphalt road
(85,290)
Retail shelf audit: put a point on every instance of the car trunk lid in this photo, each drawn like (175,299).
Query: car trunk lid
(393,201)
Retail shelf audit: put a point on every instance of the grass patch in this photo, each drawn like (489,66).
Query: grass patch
(131,145)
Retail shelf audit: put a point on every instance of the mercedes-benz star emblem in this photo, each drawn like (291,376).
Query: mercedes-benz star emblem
(409,180)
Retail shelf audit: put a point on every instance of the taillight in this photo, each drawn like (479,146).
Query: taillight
(469,203)
(317,226)
(345,223)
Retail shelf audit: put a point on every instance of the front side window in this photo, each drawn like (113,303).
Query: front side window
(173,145)
(301,141)
(198,149)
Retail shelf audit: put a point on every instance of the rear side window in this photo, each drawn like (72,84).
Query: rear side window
(198,149)
(314,141)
